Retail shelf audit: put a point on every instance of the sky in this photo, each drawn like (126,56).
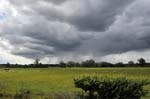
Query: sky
(55,30)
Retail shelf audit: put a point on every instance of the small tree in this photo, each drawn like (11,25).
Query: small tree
(71,64)
(37,62)
(62,64)
(120,64)
(89,63)
(105,64)
(142,61)
(8,64)
(130,63)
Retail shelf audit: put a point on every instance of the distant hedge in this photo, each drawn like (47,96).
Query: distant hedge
(110,88)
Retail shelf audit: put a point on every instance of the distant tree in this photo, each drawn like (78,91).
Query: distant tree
(71,64)
(62,64)
(37,62)
(119,64)
(130,63)
(106,64)
(78,64)
(8,64)
(89,63)
(142,61)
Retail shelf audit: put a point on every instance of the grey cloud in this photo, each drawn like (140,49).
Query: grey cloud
(24,2)
(40,35)
(77,28)
(86,15)
(129,32)
(57,1)
(97,15)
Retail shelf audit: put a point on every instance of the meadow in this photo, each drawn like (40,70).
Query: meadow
(54,80)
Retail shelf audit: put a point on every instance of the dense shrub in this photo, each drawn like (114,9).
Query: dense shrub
(111,88)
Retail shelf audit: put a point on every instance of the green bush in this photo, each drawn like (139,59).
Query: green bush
(111,88)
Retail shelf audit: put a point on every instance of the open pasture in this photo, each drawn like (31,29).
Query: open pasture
(49,80)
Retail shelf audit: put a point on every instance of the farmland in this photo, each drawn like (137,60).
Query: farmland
(53,80)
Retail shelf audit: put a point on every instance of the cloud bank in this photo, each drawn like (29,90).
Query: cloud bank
(54,30)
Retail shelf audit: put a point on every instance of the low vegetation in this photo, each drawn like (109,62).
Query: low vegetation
(111,88)
(57,83)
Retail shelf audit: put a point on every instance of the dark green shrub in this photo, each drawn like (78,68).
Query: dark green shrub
(111,88)
(88,84)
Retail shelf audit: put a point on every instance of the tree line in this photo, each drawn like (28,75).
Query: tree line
(88,63)
(141,62)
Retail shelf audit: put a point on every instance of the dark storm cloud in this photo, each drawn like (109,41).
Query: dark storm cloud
(57,1)
(43,38)
(130,32)
(87,15)
(24,2)
(71,28)
(97,15)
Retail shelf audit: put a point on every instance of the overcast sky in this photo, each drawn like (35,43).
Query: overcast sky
(54,30)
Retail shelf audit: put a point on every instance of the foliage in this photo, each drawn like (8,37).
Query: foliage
(111,88)
(130,63)
(119,64)
(88,63)
(62,64)
(106,64)
(142,61)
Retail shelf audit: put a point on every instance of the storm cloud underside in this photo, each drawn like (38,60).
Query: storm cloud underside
(54,30)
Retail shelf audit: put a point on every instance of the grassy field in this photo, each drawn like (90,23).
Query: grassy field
(51,80)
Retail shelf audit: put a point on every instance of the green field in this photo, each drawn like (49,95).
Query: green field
(49,80)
